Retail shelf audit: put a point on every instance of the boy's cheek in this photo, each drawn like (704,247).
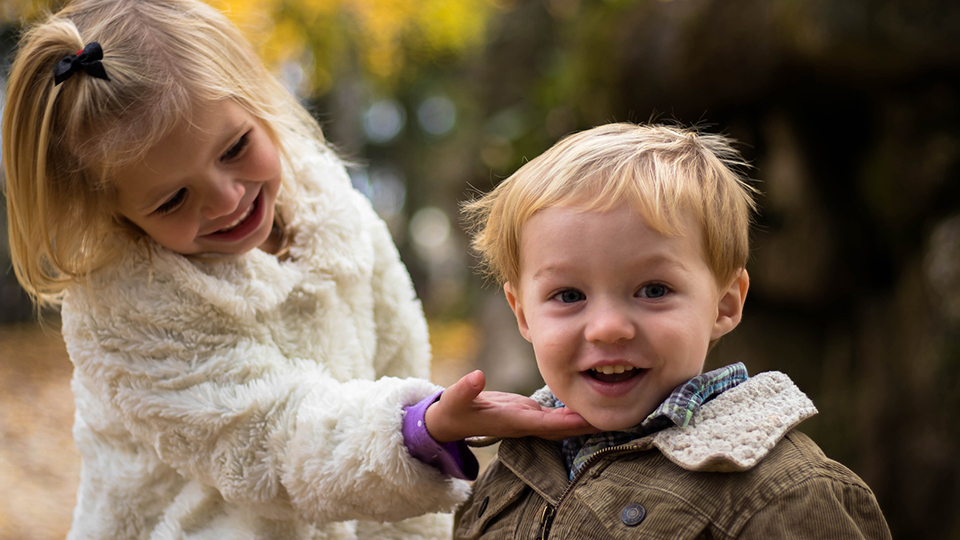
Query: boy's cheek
(551,349)
(673,332)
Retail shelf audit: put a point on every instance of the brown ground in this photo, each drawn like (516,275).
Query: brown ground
(39,465)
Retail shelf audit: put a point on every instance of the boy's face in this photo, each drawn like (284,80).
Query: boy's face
(619,315)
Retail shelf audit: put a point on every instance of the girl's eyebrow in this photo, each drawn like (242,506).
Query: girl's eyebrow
(155,197)
(152,203)
(231,133)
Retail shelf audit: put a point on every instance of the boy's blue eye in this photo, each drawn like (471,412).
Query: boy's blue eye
(570,296)
(654,290)
(172,203)
(235,150)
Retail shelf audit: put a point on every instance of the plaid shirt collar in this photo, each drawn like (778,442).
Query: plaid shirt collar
(677,410)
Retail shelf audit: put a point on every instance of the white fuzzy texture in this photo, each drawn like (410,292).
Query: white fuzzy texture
(257,398)
(734,431)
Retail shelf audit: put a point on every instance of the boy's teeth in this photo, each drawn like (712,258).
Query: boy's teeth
(610,370)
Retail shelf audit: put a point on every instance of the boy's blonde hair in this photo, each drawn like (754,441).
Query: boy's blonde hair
(62,143)
(664,172)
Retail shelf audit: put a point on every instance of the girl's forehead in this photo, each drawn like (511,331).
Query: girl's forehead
(210,126)
(131,140)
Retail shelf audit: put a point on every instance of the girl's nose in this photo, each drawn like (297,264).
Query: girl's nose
(609,323)
(223,195)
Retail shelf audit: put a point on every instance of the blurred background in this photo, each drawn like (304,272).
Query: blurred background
(849,111)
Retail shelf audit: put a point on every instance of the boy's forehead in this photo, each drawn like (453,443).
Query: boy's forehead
(665,221)
(674,225)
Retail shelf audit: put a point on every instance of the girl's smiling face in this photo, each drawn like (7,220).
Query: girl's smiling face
(209,186)
(619,314)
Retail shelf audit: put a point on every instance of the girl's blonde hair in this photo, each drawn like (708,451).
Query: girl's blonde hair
(62,143)
(664,172)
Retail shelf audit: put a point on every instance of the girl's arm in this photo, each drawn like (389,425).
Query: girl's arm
(465,410)
(469,412)
(194,372)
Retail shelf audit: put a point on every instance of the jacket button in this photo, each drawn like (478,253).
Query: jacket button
(633,514)
(483,506)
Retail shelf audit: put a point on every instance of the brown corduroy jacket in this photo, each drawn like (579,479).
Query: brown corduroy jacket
(739,470)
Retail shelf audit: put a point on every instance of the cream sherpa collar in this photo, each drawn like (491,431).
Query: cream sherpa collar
(733,432)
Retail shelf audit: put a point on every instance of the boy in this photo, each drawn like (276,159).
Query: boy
(621,251)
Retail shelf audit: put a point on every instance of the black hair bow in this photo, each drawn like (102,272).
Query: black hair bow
(86,60)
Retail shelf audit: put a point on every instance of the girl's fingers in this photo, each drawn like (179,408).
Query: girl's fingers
(464,391)
(557,425)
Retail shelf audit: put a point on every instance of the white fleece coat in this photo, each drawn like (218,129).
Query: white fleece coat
(251,398)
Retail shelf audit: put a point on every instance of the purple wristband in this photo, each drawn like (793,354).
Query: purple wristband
(452,458)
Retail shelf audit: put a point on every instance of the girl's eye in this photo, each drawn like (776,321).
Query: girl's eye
(570,296)
(654,290)
(235,150)
(172,203)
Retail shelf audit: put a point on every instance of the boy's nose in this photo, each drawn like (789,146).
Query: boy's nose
(609,324)
(222,197)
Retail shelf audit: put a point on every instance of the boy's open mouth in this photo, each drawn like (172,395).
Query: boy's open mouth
(614,374)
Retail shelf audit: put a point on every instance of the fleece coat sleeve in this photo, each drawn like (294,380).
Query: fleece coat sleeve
(281,385)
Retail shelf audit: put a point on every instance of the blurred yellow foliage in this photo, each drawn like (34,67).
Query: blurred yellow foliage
(15,11)
(454,342)
(384,38)
(381,39)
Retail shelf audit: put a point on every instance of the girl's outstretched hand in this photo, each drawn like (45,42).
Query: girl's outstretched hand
(465,410)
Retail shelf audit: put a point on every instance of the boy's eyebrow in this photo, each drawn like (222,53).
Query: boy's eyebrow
(659,259)
(654,260)
(547,270)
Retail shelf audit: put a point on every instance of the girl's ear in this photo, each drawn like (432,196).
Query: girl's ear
(517,307)
(730,305)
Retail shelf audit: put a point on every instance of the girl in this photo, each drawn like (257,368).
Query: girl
(237,316)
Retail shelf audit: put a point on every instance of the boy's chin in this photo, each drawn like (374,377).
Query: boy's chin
(614,421)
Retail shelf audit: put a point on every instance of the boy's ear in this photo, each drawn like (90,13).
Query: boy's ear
(730,306)
(517,308)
